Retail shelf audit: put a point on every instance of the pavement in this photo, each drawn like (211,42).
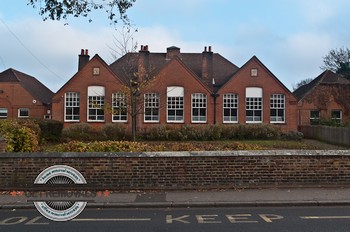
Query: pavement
(223,198)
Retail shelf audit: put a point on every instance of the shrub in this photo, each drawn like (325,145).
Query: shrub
(293,135)
(115,132)
(212,132)
(82,132)
(20,138)
(51,130)
(101,146)
(30,123)
(160,132)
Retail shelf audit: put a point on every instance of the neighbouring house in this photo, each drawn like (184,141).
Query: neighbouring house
(23,96)
(327,97)
(183,88)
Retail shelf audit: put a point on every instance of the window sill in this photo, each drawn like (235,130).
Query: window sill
(250,122)
(278,123)
(230,122)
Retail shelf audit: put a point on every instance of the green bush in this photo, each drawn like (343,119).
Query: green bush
(19,135)
(51,130)
(101,146)
(82,132)
(30,123)
(212,132)
(115,132)
(293,135)
(160,132)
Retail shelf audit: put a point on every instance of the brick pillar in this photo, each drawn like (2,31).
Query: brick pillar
(2,144)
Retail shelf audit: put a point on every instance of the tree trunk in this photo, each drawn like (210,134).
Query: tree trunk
(133,118)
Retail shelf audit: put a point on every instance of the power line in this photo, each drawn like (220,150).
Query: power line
(29,51)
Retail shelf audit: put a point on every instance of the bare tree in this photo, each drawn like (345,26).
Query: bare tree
(302,83)
(61,9)
(338,61)
(137,77)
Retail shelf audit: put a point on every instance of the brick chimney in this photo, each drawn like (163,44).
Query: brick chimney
(207,66)
(83,58)
(143,62)
(171,52)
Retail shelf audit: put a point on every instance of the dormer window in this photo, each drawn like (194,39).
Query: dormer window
(254,72)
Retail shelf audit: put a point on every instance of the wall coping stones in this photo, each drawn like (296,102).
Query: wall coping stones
(169,154)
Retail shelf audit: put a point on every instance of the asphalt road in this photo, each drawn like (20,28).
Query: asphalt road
(298,219)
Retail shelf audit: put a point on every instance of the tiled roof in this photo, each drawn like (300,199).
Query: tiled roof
(222,68)
(327,77)
(31,84)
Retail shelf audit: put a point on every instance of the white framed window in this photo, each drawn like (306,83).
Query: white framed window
(72,107)
(119,107)
(336,115)
(3,112)
(199,108)
(151,107)
(314,117)
(175,104)
(96,103)
(230,107)
(254,105)
(277,108)
(23,113)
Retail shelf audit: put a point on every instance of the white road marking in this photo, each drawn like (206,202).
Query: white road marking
(111,219)
(325,217)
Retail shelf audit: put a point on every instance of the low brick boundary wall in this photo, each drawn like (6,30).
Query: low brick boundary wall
(2,144)
(184,170)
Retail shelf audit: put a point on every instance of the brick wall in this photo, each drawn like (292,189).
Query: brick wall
(2,144)
(184,170)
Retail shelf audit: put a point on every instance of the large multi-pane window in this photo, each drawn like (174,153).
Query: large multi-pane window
(199,107)
(151,107)
(96,103)
(72,107)
(3,112)
(23,113)
(119,107)
(277,108)
(254,105)
(175,104)
(230,108)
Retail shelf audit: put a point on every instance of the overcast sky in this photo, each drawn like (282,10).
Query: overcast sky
(289,36)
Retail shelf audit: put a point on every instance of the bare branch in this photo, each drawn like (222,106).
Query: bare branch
(62,9)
